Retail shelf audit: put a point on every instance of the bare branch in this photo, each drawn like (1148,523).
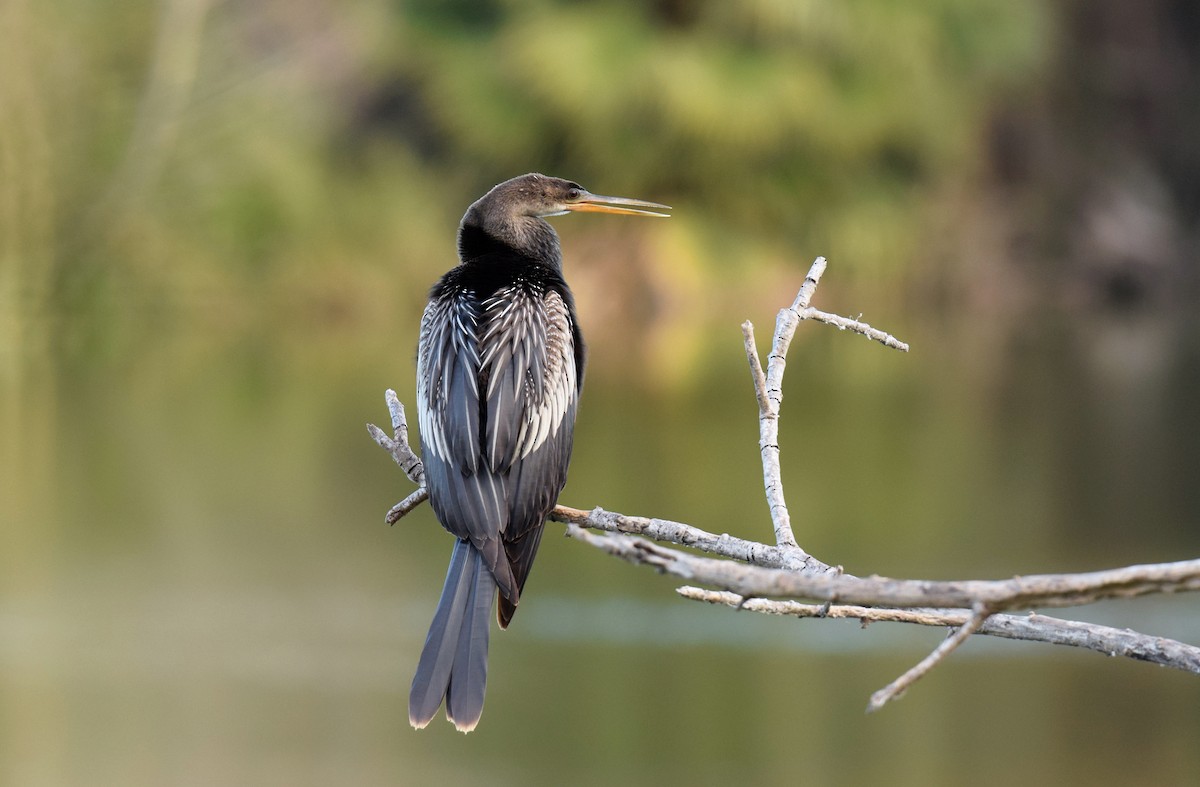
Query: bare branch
(688,536)
(756,370)
(397,445)
(1032,627)
(397,512)
(768,388)
(1029,592)
(922,668)
(846,324)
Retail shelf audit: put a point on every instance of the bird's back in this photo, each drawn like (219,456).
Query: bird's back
(499,370)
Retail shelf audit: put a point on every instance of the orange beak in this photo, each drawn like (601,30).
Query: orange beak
(594,203)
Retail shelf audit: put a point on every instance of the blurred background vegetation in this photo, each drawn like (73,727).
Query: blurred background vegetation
(189,160)
(218,225)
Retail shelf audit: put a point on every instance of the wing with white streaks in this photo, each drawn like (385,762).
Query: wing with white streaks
(528,354)
(468,499)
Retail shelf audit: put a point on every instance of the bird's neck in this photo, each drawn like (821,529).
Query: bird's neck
(526,236)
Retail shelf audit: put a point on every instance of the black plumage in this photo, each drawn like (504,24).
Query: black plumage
(499,370)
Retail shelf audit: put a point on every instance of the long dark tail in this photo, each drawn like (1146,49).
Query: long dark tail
(453,664)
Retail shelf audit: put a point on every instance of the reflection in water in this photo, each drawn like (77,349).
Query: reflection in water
(197,586)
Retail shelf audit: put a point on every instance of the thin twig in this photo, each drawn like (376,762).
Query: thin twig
(1031,627)
(947,646)
(397,445)
(846,324)
(396,512)
(756,370)
(688,536)
(809,287)
(401,451)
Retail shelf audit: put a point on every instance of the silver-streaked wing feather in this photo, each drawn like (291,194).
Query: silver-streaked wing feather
(447,380)
(529,354)
(469,499)
(538,458)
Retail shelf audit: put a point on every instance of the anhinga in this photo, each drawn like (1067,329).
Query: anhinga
(499,370)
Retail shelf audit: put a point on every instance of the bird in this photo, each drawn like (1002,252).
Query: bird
(500,363)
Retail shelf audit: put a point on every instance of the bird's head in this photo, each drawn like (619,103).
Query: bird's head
(512,210)
(541,196)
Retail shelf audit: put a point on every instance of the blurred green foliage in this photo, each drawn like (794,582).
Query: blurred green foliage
(185,160)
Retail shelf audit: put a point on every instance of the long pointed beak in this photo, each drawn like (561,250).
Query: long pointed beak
(594,203)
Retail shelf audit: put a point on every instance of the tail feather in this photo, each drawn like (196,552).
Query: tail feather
(455,652)
(468,677)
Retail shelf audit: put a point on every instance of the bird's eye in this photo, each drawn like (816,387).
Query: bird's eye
(574,193)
